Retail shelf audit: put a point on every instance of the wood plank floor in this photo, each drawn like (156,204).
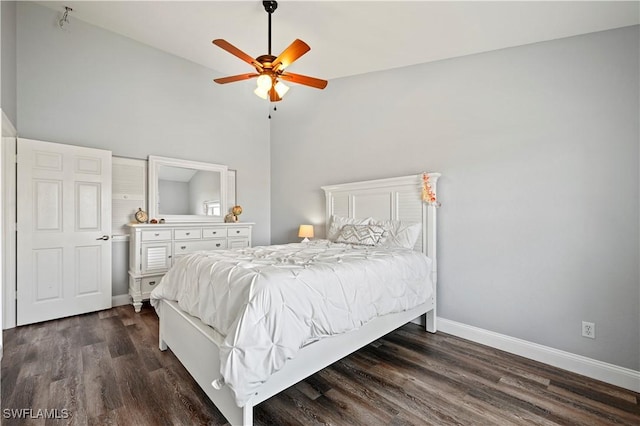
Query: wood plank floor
(105,368)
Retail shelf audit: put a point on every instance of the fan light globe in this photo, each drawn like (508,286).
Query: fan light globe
(261,93)
(281,88)
(264,82)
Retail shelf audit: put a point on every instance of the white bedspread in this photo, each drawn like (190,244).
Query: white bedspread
(270,301)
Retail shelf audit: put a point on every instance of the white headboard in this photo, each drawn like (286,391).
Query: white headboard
(398,198)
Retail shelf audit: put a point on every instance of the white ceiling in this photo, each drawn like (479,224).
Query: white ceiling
(347,37)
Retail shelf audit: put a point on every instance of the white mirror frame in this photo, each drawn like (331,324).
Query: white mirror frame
(155,162)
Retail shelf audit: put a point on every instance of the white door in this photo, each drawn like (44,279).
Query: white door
(64,230)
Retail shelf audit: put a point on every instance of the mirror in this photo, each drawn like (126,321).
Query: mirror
(185,191)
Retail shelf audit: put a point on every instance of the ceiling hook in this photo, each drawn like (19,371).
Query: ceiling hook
(65,17)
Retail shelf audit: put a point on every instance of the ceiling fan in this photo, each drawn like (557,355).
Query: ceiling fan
(270,70)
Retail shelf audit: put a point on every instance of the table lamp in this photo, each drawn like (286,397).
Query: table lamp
(306,232)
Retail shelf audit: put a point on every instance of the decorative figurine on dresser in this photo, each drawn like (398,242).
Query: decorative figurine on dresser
(233,214)
(187,201)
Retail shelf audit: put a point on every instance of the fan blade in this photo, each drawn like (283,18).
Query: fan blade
(303,79)
(223,44)
(273,95)
(231,79)
(290,54)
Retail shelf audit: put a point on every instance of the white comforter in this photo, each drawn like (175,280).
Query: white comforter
(270,301)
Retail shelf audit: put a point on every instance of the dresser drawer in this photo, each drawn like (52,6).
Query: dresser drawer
(214,232)
(187,234)
(147,284)
(156,235)
(238,232)
(185,247)
(234,243)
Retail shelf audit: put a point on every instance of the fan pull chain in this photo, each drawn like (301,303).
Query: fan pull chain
(275,108)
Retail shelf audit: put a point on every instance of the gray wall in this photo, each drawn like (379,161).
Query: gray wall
(91,87)
(8,100)
(538,147)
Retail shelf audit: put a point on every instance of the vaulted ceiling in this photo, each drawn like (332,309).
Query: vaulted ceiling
(347,37)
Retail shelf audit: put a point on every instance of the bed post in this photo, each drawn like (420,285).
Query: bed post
(429,248)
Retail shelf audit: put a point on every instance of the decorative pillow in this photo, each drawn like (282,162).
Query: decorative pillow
(399,234)
(337,222)
(365,235)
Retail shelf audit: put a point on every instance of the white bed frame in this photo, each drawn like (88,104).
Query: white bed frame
(194,343)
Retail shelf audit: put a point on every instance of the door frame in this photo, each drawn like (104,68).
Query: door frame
(8,223)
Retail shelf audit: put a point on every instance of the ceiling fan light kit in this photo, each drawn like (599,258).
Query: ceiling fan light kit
(270,70)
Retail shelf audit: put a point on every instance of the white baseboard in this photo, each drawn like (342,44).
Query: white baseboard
(120,300)
(608,373)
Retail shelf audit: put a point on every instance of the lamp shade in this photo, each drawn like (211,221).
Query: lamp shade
(281,88)
(261,93)
(265,82)
(305,231)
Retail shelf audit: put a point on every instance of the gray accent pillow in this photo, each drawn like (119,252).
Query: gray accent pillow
(365,235)
(337,222)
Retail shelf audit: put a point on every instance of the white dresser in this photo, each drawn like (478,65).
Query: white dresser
(154,247)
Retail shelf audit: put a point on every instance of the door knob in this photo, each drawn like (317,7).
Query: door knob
(104,237)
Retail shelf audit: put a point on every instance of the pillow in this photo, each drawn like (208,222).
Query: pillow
(337,222)
(399,234)
(365,235)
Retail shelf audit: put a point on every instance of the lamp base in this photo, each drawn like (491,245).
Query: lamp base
(306,240)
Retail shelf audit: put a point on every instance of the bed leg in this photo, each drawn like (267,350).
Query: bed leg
(162,345)
(247,415)
(430,321)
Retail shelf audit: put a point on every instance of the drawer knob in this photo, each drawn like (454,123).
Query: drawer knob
(183,247)
(237,232)
(152,283)
(218,245)
(188,233)
(215,232)
(157,235)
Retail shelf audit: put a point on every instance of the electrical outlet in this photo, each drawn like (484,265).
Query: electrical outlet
(588,329)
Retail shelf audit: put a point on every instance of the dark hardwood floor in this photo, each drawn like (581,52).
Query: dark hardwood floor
(105,368)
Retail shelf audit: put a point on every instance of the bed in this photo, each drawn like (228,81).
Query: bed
(237,371)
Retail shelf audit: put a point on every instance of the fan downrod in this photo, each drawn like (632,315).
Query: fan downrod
(270,7)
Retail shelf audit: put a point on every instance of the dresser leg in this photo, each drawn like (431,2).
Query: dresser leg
(134,292)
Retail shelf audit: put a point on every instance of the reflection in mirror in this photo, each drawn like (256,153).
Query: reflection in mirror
(183,191)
